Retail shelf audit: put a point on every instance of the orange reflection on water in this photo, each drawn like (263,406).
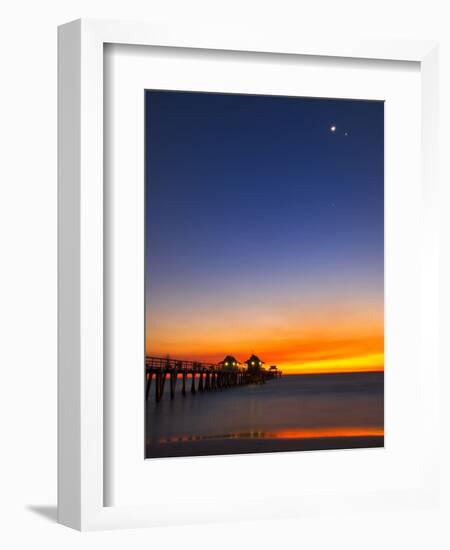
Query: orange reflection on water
(314,433)
(296,433)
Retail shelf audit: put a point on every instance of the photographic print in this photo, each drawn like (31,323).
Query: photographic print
(264,273)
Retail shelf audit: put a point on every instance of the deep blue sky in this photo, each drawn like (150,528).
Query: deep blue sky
(249,197)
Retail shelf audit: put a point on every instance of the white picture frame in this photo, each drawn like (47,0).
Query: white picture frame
(81,404)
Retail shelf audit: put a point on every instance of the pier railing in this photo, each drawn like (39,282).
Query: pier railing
(202,377)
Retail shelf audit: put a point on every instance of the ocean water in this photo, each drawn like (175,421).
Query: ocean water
(283,413)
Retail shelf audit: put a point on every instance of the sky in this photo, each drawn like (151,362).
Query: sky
(265,230)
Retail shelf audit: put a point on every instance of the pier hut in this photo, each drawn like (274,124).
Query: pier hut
(274,372)
(254,363)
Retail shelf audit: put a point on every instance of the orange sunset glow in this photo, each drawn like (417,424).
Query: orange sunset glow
(344,339)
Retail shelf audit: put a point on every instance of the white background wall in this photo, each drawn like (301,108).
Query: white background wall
(28,270)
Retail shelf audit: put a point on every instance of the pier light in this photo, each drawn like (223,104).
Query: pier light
(228,361)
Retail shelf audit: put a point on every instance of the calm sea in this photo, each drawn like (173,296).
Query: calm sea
(294,412)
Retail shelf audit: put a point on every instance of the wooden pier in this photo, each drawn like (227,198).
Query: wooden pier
(196,377)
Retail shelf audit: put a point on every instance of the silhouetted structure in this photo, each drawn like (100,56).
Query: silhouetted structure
(254,364)
(274,371)
(203,377)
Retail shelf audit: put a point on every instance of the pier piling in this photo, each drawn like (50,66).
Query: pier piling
(149,383)
(173,384)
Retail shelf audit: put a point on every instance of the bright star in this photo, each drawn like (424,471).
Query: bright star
(333,128)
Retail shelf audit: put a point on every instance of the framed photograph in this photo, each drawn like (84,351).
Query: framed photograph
(247,275)
(264,272)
